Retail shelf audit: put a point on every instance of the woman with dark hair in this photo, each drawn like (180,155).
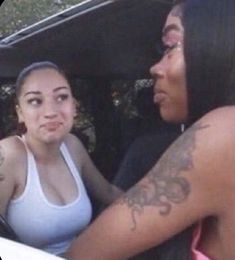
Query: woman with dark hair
(193,183)
(45,172)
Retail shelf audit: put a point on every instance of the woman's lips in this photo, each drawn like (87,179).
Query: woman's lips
(159,96)
(51,125)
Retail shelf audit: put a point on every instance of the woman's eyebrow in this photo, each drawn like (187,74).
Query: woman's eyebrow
(32,92)
(59,88)
(38,92)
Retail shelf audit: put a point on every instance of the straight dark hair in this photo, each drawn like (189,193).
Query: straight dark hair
(209,49)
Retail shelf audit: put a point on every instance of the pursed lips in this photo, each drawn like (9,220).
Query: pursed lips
(51,125)
(159,95)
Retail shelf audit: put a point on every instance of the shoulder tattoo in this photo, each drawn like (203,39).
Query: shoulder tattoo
(1,162)
(165,186)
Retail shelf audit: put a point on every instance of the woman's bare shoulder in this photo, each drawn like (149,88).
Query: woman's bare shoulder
(211,143)
(218,129)
(221,118)
(12,164)
(73,143)
(76,149)
(12,148)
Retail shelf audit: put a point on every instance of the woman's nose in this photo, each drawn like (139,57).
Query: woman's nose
(157,70)
(50,110)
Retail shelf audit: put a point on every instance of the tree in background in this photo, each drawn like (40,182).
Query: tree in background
(18,14)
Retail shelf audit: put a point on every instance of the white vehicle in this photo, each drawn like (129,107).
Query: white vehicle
(11,250)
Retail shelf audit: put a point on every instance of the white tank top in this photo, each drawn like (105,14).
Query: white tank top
(42,224)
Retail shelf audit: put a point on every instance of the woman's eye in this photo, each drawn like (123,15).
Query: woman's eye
(62,97)
(169,48)
(34,101)
(165,49)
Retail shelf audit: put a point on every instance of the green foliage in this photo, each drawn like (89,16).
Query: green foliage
(18,14)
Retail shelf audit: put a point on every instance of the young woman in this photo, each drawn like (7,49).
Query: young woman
(194,181)
(45,172)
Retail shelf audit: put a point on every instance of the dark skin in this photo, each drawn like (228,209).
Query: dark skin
(168,187)
(193,181)
(191,175)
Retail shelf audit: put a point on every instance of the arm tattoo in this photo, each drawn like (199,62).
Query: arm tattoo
(165,187)
(1,162)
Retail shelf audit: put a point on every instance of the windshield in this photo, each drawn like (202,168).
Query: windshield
(16,15)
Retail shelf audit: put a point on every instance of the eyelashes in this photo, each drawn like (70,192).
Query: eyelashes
(165,49)
(36,101)
(62,97)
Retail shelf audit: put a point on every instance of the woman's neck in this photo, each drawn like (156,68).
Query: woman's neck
(43,152)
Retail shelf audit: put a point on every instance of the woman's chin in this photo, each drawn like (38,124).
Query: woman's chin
(52,137)
(172,118)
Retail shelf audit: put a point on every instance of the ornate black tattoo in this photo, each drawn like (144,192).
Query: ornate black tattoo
(1,162)
(164,186)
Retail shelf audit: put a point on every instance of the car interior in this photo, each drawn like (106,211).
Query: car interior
(106,48)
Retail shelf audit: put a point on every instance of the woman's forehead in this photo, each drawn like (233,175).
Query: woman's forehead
(45,74)
(44,78)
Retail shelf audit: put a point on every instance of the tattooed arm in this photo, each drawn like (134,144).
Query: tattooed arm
(11,166)
(177,192)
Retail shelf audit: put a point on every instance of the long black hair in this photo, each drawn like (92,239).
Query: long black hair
(209,50)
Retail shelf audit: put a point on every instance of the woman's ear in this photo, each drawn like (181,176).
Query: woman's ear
(19,114)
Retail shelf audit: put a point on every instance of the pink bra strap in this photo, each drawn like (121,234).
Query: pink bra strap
(197,255)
